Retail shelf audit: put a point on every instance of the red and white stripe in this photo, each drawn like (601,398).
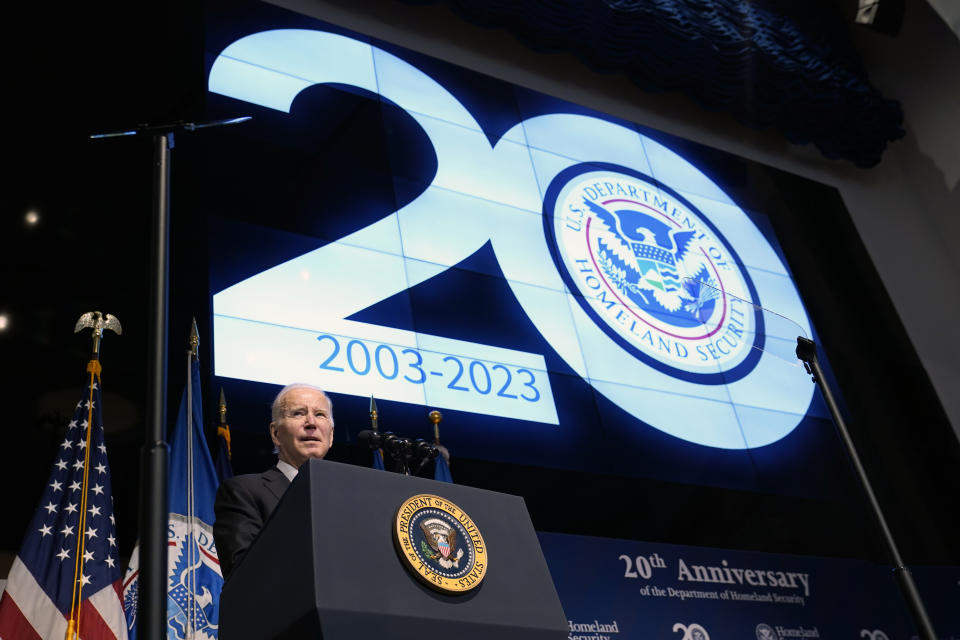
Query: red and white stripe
(27,613)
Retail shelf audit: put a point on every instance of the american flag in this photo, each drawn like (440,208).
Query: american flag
(67,571)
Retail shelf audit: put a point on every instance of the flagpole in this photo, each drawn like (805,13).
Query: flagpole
(223,429)
(374,425)
(191,509)
(98,322)
(73,625)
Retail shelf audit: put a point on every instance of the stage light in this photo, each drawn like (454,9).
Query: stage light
(4,321)
(885,17)
(31,218)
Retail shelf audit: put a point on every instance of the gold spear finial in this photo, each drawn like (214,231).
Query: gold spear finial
(98,322)
(373,413)
(194,339)
(222,407)
(223,429)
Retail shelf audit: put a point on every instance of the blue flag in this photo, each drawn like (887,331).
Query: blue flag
(194,580)
(441,470)
(377,459)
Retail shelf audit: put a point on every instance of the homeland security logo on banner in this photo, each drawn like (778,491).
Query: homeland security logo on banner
(193,580)
(654,273)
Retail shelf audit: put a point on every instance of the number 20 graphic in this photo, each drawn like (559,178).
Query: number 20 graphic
(483,193)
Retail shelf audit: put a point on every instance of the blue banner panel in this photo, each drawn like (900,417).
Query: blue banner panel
(624,589)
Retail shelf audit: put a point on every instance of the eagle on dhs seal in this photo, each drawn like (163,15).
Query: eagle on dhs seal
(644,257)
(653,272)
(192,579)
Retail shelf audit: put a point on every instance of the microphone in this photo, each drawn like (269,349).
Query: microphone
(384,440)
(370,439)
(423,450)
(380,440)
(403,450)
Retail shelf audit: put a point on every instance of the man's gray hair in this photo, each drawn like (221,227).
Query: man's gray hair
(276,409)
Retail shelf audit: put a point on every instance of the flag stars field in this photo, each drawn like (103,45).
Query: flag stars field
(50,560)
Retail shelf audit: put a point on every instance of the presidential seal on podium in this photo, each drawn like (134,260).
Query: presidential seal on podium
(440,544)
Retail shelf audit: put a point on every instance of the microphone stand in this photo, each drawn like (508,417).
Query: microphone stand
(402,451)
(154,485)
(807,353)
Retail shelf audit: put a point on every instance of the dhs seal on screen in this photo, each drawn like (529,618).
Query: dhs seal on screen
(653,272)
(440,544)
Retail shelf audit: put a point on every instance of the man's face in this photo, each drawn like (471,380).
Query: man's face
(306,428)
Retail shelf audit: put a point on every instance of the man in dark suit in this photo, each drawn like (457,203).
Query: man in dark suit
(301,428)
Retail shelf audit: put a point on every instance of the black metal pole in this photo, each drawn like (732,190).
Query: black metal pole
(807,352)
(152,608)
(152,593)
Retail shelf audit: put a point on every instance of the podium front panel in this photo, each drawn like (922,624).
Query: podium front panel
(325,565)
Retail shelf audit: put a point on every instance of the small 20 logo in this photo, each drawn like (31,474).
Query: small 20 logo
(693,631)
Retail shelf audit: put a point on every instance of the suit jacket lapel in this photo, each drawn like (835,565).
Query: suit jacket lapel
(275,482)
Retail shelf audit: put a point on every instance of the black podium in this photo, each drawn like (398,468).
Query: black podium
(325,566)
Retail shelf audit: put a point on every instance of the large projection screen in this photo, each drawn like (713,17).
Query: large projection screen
(572,290)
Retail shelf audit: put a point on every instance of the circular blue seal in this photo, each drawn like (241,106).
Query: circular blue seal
(654,273)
